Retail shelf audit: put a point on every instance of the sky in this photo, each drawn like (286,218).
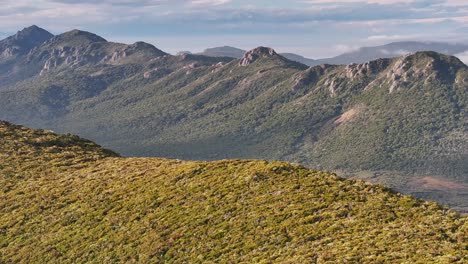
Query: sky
(313,28)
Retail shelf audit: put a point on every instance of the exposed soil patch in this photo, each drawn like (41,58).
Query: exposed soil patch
(348,115)
(431,183)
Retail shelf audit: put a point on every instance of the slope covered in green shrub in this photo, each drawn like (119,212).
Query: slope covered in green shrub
(64,199)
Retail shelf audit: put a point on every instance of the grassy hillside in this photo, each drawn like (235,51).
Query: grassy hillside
(64,199)
(387,118)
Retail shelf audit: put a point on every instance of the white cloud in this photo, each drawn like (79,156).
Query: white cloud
(463,57)
(343,48)
(392,37)
(329,27)
(209,2)
(385,2)
(399,52)
(455,3)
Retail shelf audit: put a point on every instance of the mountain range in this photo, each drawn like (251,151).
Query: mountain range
(398,121)
(361,55)
(65,199)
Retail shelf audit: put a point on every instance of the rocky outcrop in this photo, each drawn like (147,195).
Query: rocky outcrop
(309,76)
(191,66)
(255,54)
(150,73)
(70,56)
(372,68)
(398,75)
(97,52)
(216,67)
(9,52)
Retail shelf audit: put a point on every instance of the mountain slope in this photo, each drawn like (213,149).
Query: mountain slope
(27,153)
(397,121)
(109,209)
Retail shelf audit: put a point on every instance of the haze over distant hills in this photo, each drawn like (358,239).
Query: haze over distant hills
(225,51)
(361,55)
(395,49)
(399,121)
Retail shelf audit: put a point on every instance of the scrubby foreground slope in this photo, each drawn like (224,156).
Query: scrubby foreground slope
(64,199)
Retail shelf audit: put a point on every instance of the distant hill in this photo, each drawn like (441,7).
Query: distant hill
(236,53)
(399,121)
(299,58)
(65,199)
(224,51)
(183,53)
(393,50)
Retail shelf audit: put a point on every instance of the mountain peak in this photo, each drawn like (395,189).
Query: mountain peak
(252,55)
(431,61)
(31,29)
(34,34)
(262,51)
(80,36)
(140,45)
(23,41)
(78,33)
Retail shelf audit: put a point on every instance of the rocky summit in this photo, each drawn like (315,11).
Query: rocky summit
(260,52)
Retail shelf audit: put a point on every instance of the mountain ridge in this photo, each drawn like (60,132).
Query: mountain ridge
(361,55)
(396,121)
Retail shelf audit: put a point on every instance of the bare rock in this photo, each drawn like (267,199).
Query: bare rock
(150,73)
(253,55)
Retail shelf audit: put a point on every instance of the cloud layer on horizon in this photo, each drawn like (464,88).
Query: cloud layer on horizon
(313,26)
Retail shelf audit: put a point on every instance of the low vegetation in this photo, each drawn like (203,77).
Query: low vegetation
(65,199)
